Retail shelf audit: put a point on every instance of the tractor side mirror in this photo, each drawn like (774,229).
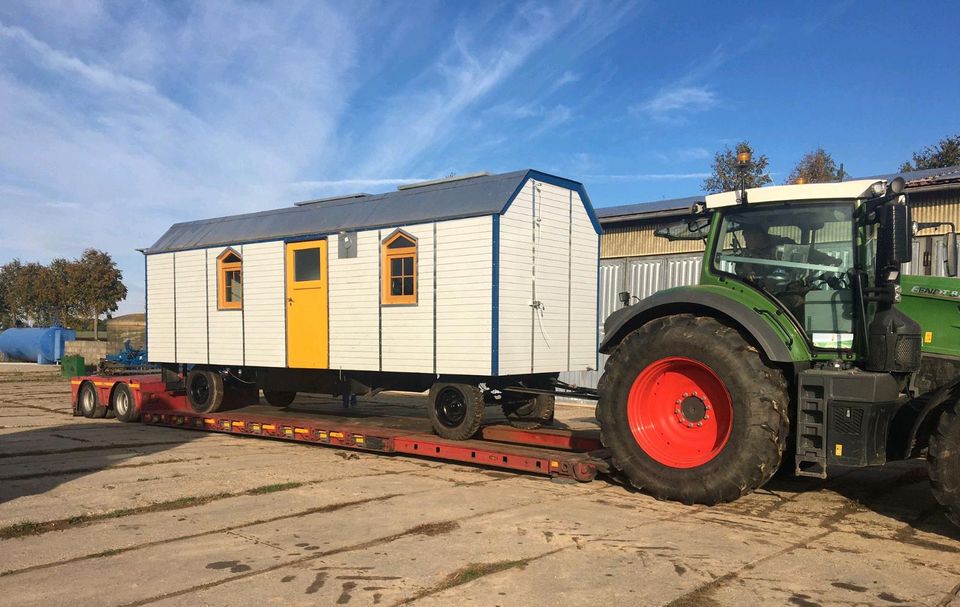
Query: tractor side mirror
(624,297)
(894,242)
(951,253)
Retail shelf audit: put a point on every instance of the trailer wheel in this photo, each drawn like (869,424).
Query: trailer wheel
(88,401)
(530,413)
(204,390)
(691,412)
(279,398)
(455,410)
(943,462)
(123,404)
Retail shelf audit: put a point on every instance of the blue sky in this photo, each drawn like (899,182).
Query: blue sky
(117,120)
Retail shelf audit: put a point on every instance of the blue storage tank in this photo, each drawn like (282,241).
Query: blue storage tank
(43,345)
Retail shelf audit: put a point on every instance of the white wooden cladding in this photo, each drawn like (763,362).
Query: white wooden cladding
(549,256)
(448,331)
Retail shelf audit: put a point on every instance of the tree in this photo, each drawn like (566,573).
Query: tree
(98,285)
(815,167)
(726,176)
(14,300)
(945,153)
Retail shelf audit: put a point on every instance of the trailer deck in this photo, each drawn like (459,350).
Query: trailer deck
(555,452)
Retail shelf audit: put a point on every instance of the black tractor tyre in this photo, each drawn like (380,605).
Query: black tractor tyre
(529,413)
(943,462)
(204,390)
(123,404)
(88,401)
(455,410)
(279,398)
(757,398)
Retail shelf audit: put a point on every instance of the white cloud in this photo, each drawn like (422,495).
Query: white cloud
(675,103)
(646,177)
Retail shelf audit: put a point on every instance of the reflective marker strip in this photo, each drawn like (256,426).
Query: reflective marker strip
(336,434)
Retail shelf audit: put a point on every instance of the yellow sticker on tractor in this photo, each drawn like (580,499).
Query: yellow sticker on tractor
(928,337)
(838,450)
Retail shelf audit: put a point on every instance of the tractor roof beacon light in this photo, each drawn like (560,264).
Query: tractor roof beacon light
(743,163)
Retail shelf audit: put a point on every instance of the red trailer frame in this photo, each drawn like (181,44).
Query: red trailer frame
(553,452)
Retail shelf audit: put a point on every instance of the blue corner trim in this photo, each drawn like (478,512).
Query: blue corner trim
(597,326)
(495,327)
(562,182)
(146,310)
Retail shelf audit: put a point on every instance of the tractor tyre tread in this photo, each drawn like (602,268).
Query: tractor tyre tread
(754,450)
(943,462)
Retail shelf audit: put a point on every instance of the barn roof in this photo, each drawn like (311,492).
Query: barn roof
(474,196)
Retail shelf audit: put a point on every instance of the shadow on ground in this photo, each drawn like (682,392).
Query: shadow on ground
(35,461)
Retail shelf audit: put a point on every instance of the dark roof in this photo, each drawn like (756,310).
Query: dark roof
(924,177)
(648,210)
(471,197)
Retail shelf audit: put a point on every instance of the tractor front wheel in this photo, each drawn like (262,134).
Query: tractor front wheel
(943,461)
(691,412)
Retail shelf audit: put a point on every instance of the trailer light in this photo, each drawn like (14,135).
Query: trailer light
(238,425)
(225,424)
(210,421)
(336,435)
(322,435)
(288,431)
(269,427)
(554,464)
(255,428)
(301,431)
(358,440)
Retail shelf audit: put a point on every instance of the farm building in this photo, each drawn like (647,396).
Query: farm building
(482,275)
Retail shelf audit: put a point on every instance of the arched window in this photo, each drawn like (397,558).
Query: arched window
(229,280)
(399,269)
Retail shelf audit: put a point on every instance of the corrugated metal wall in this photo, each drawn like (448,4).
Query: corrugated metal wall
(642,277)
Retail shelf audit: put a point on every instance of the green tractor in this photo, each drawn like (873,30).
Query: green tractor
(801,342)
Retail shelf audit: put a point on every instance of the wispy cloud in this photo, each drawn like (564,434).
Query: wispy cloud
(676,103)
(646,177)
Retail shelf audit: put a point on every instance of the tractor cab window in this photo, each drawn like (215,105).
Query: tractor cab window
(802,255)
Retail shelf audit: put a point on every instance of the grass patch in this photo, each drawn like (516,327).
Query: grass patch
(471,572)
(274,488)
(37,528)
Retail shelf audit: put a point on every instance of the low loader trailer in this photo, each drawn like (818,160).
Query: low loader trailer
(575,454)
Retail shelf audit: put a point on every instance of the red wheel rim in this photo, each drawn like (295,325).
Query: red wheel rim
(679,412)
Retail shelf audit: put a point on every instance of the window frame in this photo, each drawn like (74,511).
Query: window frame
(223,267)
(387,255)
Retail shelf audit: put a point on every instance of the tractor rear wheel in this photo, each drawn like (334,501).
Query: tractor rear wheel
(691,411)
(943,461)
(204,390)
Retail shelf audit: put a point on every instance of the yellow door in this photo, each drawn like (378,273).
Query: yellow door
(307,337)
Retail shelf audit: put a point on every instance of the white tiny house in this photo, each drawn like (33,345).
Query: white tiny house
(492,278)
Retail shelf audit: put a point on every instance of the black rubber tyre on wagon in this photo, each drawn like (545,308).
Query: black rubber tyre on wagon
(943,462)
(123,405)
(455,410)
(692,412)
(88,401)
(529,413)
(279,398)
(204,390)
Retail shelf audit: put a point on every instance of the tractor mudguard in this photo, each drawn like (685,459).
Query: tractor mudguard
(696,300)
